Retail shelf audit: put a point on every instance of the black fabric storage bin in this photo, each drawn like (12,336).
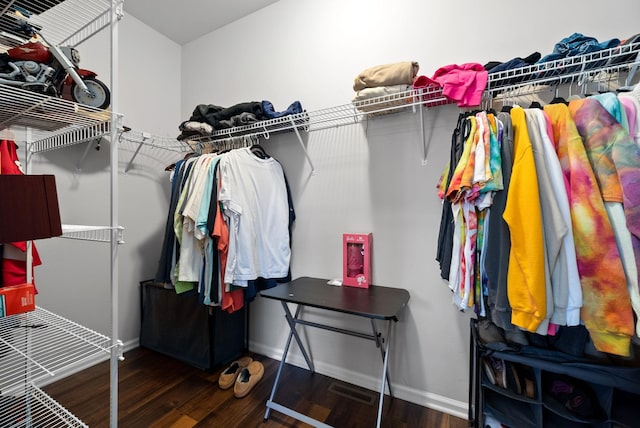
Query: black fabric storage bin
(179,326)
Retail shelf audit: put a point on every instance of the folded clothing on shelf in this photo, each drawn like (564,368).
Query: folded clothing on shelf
(463,83)
(207,118)
(214,115)
(632,45)
(495,66)
(270,113)
(394,94)
(399,73)
(577,44)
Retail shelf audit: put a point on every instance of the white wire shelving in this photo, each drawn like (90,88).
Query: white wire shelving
(346,114)
(599,65)
(34,408)
(63,22)
(39,344)
(91,233)
(602,65)
(71,135)
(616,67)
(19,107)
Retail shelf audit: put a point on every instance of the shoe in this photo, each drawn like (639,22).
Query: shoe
(489,332)
(488,371)
(575,397)
(228,376)
(495,370)
(529,388)
(522,380)
(248,378)
(512,380)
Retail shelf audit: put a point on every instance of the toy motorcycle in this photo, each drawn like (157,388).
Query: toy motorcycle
(39,66)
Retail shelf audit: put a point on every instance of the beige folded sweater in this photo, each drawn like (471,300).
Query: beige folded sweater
(400,73)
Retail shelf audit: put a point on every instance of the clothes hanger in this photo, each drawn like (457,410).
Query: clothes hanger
(173,165)
(259,151)
(557,99)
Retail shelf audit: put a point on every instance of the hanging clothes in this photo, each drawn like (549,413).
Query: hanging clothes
(472,184)
(498,241)
(526,273)
(206,248)
(559,243)
(605,311)
(254,197)
(565,279)
(615,160)
(445,235)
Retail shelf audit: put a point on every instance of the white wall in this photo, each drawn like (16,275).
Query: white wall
(369,176)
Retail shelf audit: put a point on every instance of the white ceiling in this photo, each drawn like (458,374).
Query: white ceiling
(185,20)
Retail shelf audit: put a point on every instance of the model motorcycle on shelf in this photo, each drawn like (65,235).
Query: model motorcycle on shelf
(39,66)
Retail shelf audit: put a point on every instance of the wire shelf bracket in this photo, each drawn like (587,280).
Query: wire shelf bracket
(92,233)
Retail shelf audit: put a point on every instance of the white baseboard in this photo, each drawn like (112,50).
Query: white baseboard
(422,398)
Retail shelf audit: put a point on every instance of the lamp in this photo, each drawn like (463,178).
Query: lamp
(29,208)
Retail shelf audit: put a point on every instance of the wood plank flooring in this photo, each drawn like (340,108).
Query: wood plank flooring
(161,392)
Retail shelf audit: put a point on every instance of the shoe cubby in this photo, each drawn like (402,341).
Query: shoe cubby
(554,420)
(625,409)
(563,391)
(509,410)
(573,399)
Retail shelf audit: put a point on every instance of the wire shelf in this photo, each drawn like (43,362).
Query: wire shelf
(71,22)
(154,141)
(39,344)
(91,233)
(70,136)
(606,63)
(19,107)
(334,116)
(35,408)
(595,66)
(67,22)
(567,70)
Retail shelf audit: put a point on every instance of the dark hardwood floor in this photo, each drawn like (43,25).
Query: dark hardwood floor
(158,391)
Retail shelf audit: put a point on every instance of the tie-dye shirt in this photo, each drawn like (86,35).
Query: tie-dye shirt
(606,311)
(615,160)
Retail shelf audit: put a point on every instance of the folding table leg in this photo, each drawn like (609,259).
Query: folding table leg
(292,333)
(292,325)
(382,352)
(385,365)
(275,383)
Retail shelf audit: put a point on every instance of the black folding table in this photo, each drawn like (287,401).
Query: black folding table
(375,303)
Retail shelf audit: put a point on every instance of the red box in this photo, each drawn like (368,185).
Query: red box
(356,264)
(16,299)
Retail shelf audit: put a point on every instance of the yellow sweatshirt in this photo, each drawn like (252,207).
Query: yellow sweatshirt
(526,277)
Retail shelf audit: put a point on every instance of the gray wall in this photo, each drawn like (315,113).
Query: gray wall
(74,280)
(369,176)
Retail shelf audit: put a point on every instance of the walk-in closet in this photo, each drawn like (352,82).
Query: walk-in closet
(336,213)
